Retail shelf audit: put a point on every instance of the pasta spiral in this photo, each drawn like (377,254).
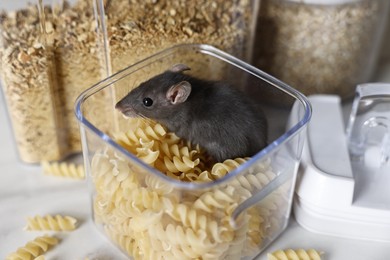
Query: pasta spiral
(298,254)
(33,248)
(221,169)
(165,151)
(48,222)
(63,169)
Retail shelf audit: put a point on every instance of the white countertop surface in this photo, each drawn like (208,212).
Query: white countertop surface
(25,191)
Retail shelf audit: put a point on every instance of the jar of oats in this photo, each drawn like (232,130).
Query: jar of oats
(137,29)
(320,46)
(50,53)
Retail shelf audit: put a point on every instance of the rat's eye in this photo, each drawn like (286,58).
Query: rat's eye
(147,102)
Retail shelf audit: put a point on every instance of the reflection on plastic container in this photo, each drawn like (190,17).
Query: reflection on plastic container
(150,213)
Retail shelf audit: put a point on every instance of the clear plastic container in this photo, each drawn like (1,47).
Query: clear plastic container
(147,213)
(319,46)
(50,51)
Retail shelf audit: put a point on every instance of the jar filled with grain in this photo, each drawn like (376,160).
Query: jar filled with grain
(51,52)
(137,29)
(320,46)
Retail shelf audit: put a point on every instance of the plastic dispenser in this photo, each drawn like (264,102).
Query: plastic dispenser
(343,188)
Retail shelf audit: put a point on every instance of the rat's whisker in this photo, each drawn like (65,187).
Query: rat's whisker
(149,121)
(146,119)
(132,85)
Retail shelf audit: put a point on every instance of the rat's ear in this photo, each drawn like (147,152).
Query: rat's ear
(179,92)
(179,68)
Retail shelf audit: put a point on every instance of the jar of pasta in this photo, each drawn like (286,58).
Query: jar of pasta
(320,46)
(155,196)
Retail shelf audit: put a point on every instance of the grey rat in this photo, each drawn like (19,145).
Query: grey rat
(221,119)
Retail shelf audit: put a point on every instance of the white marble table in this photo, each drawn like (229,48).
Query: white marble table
(24,191)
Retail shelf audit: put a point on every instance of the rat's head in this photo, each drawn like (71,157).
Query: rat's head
(158,97)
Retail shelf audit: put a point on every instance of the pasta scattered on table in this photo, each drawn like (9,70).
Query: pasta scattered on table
(63,169)
(34,248)
(48,222)
(297,254)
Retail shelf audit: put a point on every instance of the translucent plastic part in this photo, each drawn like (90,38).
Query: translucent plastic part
(149,214)
(369,147)
(369,125)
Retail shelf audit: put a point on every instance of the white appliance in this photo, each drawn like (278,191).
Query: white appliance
(343,187)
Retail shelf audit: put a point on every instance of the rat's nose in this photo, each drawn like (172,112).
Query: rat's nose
(125,109)
(122,107)
(119,106)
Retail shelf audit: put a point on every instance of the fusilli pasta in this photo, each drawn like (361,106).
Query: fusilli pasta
(298,254)
(151,219)
(163,150)
(33,248)
(64,169)
(48,222)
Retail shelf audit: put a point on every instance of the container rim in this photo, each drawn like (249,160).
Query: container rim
(212,51)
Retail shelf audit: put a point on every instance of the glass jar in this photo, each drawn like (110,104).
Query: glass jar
(49,52)
(319,46)
(136,29)
(150,207)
